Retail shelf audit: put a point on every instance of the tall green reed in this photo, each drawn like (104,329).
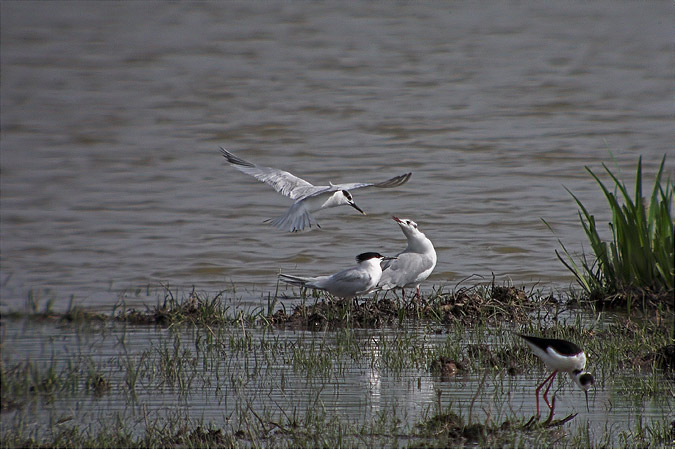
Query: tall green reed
(640,254)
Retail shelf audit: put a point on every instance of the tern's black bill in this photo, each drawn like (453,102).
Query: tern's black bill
(357,208)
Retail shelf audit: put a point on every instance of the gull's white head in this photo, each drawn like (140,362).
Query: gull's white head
(408,227)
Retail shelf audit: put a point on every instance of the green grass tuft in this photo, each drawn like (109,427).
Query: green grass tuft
(639,260)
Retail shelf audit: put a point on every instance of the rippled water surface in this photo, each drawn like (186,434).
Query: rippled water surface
(112,115)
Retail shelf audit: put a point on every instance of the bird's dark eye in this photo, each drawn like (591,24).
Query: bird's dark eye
(347,195)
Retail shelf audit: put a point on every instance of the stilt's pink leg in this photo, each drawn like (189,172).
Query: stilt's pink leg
(539,388)
(548,388)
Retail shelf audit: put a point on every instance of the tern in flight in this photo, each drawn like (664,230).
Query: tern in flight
(307,197)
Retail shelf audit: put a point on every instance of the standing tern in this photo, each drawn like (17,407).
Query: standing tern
(347,283)
(413,265)
(308,197)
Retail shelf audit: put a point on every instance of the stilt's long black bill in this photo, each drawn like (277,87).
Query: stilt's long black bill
(587,408)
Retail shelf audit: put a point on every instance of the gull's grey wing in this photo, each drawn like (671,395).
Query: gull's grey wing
(393,275)
(400,271)
(393,182)
(282,181)
(408,269)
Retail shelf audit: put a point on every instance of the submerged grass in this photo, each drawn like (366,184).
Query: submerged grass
(29,380)
(238,359)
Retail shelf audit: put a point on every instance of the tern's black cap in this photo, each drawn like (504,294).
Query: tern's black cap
(369,255)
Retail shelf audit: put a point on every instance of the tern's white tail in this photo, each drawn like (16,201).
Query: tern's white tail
(296,219)
(293,280)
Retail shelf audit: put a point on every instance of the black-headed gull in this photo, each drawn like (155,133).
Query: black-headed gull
(414,264)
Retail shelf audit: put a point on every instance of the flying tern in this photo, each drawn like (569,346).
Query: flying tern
(347,283)
(307,197)
(413,265)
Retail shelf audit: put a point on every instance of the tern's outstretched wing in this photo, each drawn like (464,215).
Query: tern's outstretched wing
(282,181)
(393,182)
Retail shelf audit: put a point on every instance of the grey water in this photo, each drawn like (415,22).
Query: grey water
(112,115)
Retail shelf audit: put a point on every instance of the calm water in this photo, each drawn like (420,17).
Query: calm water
(112,115)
